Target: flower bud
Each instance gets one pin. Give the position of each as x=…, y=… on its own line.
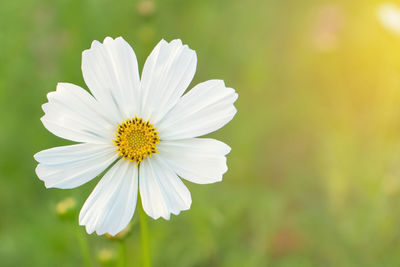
x=107, y=257
x=146, y=8
x=66, y=209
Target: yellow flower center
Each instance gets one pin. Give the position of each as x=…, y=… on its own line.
x=136, y=139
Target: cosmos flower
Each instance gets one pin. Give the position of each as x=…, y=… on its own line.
x=145, y=128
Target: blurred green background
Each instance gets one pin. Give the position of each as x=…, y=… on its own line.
x=314, y=172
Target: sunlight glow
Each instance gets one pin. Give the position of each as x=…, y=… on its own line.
x=389, y=16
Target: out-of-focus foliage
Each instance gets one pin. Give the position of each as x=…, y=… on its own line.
x=314, y=172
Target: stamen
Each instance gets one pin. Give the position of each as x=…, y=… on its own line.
x=136, y=139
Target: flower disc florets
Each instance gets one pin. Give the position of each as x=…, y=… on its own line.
x=136, y=139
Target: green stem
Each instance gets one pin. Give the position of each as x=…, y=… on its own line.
x=84, y=247
x=121, y=253
x=144, y=232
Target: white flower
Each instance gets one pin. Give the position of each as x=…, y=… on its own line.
x=145, y=126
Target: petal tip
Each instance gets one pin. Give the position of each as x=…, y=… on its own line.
x=94, y=44
x=120, y=38
x=177, y=42
x=36, y=156
x=107, y=39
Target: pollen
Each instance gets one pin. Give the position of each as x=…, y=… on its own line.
x=136, y=139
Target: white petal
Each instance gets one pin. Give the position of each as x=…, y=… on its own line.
x=198, y=160
x=166, y=75
x=161, y=190
x=111, y=72
x=71, y=166
x=204, y=109
x=72, y=113
x=111, y=205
